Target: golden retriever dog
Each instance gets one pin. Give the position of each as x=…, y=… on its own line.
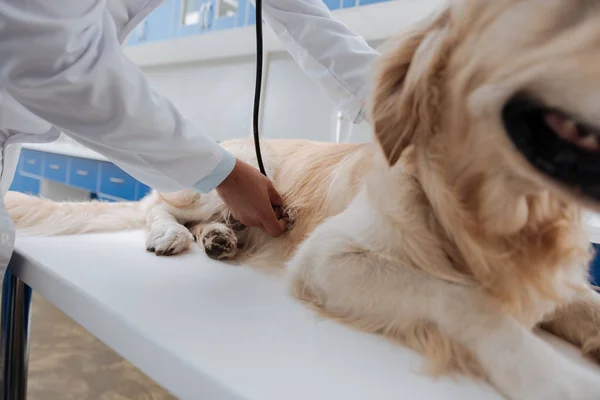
x=460, y=228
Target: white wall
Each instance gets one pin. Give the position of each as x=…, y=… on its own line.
x=295, y=105
x=298, y=107
x=217, y=96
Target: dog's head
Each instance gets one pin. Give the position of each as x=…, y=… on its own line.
x=503, y=89
x=500, y=100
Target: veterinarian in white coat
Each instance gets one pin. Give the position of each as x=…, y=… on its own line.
x=62, y=68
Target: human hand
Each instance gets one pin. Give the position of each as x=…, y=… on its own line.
x=252, y=198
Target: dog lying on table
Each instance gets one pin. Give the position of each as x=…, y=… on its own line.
x=459, y=229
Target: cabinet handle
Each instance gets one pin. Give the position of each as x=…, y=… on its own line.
x=31, y=162
x=201, y=13
x=81, y=172
x=117, y=180
x=54, y=166
x=205, y=15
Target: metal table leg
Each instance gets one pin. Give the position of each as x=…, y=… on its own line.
x=16, y=306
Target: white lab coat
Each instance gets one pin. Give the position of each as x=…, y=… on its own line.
x=62, y=68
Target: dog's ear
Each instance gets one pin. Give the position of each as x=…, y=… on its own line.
x=407, y=86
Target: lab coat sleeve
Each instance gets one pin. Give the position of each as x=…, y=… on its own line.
x=340, y=60
x=62, y=60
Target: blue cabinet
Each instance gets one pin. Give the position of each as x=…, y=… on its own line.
x=25, y=184
x=101, y=179
x=31, y=162
x=30, y=185
x=115, y=182
x=138, y=35
x=250, y=14
x=194, y=16
x=242, y=11
x=179, y=18
x=333, y=4
x=159, y=25
x=141, y=191
x=229, y=14
x=55, y=167
x=83, y=174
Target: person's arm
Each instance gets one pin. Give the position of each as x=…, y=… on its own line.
x=340, y=60
x=62, y=60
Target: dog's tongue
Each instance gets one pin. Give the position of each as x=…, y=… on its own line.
x=582, y=136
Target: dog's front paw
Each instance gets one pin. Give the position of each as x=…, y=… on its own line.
x=219, y=241
x=169, y=241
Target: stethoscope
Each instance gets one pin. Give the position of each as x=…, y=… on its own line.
x=259, y=67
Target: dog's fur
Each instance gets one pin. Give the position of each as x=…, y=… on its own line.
x=438, y=235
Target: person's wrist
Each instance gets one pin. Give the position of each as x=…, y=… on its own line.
x=231, y=177
x=218, y=174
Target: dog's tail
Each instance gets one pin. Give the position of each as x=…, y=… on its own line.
x=41, y=217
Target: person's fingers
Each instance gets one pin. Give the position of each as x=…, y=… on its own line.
x=274, y=195
x=274, y=226
x=277, y=229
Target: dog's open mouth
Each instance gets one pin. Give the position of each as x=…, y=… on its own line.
x=556, y=144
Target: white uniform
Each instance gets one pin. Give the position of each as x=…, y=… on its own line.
x=62, y=68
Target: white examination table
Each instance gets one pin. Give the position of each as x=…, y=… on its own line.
x=205, y=330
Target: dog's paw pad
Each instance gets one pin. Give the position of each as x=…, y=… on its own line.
x=219, y=244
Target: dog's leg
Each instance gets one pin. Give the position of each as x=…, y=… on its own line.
x=166, y=235
x=457, y=324
x=219, y=240
x=578, y=322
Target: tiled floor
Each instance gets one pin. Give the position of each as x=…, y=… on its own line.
x=68, y=363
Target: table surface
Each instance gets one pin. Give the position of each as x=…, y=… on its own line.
x=207, y=330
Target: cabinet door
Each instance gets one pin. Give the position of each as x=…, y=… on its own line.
x=227, y=14
x=32, y=162
x=30, y=185
x=136, y=34
x=141, y=191
x=55, y=167
x=195, y=16
x=114, y=182
x=241, y=12
x=17, y=183
x=250, y=14
x=83, y=174
x=160, y=24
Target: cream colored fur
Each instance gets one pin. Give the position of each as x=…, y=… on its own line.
x=438, y=235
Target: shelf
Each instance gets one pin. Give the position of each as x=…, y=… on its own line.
x=374, y=22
